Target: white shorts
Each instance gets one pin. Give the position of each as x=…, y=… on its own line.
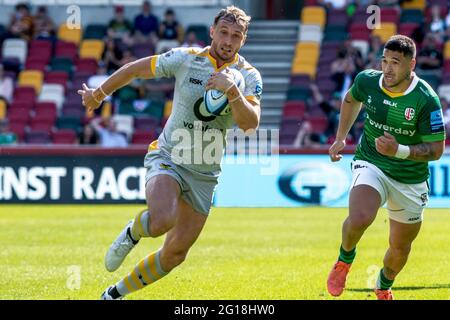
x=405, y=202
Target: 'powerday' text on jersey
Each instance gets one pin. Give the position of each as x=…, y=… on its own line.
x=192, y=67
x=412, y=117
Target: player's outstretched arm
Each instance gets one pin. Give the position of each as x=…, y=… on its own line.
x=424, y=152
x=349, y=112
x=428, y=151
x=93, y=97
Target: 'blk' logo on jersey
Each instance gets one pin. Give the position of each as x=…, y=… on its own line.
x=409, y=113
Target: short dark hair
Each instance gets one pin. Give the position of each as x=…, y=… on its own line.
x=235, y=15
x=403, y=44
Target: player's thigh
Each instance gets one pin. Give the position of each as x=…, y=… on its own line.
x=367, y=193
x=163, y=196
x=188, y=227
x=364, y=203
x=406, y=202
x=403, y=234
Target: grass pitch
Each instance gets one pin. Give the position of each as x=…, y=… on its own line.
x=57, y=251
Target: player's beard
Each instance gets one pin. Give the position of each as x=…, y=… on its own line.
x=217, y=50
x=407, y=77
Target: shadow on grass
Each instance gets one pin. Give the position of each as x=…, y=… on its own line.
x=431, y=287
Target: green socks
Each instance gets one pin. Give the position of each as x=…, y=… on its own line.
x=347, y=256
x=384, y=283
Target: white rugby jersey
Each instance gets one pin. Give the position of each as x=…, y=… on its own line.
x=189, y=136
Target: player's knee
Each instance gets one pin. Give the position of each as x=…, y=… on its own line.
x=176, y=257
x=160, y=223
x=360, y=221
x=400, y=250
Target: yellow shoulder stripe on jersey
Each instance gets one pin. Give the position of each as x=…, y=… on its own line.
x=248, y=66
x=252, y=98
x=153, y=60
x=195, y=51
x=153, y=146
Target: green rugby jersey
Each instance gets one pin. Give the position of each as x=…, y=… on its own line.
x=412, y=117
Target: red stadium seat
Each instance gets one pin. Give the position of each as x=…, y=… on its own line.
x=145, y=123
x=57, y=77
x=143, y=137
x=24, y=94
x=87, y=65
x=64, y=136
x=45, y=110
x=18, y=129
x=318, y=124
x=34, y=63
x=22, y=106
x=18, y=116
x=66, y=50
x=294, y=109
x=41, y=49
x=407, y=29
x=389, y=15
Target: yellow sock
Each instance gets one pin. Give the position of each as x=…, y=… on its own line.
x=146, y=272
x=140, y=227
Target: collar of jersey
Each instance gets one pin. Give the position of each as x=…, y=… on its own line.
x=214, y=62
x=399, y=94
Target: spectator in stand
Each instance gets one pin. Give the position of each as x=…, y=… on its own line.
x=6, y=137
x=306, y=138
x=120, y=28
x=44, y=27
x=429, y=58
x=343, y=70
x=146, y=25
x=127, y=57
x=437, y=24
x=331, y=108
x=109, y=136
x=170, y=29
x=375, y=53
x=88, y=136
x=21, y=23
x=112, y=56
x=6, y=86
x=192, y=41
x=96, y=80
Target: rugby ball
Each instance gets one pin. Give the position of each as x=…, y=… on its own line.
x=216, y=102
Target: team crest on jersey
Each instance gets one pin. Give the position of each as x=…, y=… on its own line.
x=409, y=113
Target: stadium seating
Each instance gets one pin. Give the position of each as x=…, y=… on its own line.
x=313, y=15
x=57, y=77
x=52, y=93
x=95, y=31
x=386, y=30
x=61, y=64
x=64, y=136
x=66, y=50
x=92, y=49
x=69, y=35
x=143, y=137
x=15, y=48
x=37, y=137
x=414, y=4
x=3, y=108
x=31, y=78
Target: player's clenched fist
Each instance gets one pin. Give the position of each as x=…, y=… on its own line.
x=386, y=145
x=221, y=81
x=334, y=150
x=88, y=98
